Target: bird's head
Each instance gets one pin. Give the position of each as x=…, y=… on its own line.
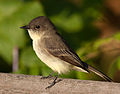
x=39, y=26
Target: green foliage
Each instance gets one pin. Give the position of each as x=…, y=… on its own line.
x=74, y=23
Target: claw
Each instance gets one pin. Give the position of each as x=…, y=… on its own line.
x=54, y=82
x=45, y=77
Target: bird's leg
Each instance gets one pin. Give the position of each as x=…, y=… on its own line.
x=49, y=76
x=54, y=82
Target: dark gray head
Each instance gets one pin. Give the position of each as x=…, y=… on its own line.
x=40, y=23
x=38, y=26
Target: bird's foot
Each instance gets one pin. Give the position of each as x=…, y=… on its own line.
x=45, y=77
x=54, y=82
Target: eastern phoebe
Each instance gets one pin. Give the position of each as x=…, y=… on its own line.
x=52, y=49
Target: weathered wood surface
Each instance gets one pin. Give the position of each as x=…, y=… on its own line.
x=27, y=84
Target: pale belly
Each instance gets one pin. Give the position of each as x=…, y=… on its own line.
x=54, y=63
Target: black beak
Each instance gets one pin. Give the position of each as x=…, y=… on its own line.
x=25, y=27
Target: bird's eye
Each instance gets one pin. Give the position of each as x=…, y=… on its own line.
x=37, y=26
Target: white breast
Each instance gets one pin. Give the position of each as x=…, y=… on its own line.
x=54, y=63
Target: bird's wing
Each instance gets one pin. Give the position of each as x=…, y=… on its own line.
x=58, y=48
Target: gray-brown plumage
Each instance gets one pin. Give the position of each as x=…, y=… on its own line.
x=52, y=49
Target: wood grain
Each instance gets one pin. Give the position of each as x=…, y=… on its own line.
x=28, y=84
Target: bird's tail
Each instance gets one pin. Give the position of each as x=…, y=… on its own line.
x=92, y=69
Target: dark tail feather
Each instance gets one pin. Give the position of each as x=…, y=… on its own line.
x=100, y=73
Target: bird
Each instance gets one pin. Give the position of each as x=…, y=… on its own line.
x=53, y=50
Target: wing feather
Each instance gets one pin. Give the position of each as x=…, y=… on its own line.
x=59, y=48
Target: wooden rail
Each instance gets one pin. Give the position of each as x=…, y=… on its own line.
x=27, y=84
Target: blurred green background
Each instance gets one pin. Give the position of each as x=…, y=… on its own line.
x=90, y=27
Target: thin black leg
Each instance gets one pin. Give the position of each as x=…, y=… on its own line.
x=54, y=82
